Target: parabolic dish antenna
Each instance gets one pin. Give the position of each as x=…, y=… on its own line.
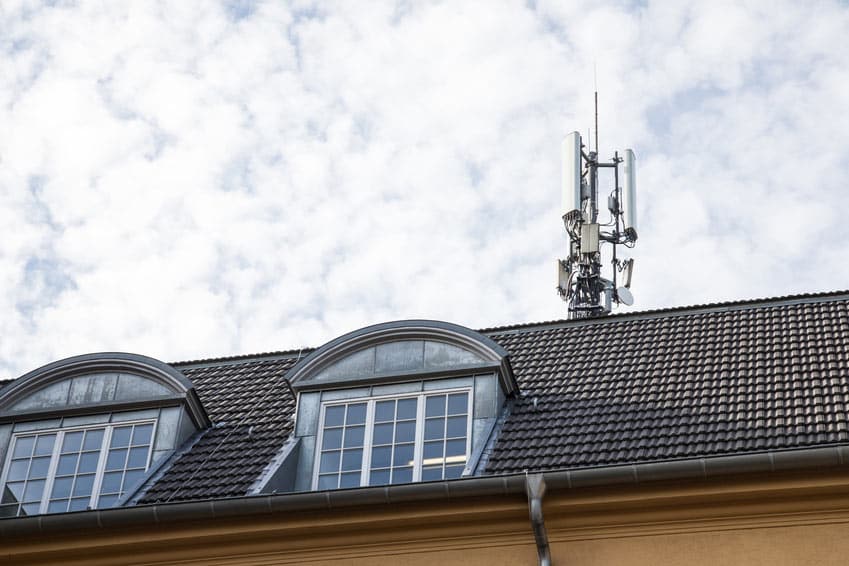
x=625, y=296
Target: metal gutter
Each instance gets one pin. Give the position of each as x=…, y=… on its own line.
x=170, y=514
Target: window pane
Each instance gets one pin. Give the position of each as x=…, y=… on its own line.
x=67, y=464
x=38, y=467
x=8, y=510
x=432, y=450
x=455, y=447
x=383, y=433
x=73, y=442
x=31, y=509
x=111, y=482
x=132, y=479
x=34, y=490
x=405, y=432
x=434, y=429
x=13, y=492
x=329, y=462
x=116, y=458
x=142, y=433
x=384, y=411
x=354, y=436
x=44, y=445
x=59, y=506
x=328, y=481
x=356, y=414
x=23, y=447
x=83, y=485
x=381, y=457
x=18, y=470
x=352, y=460
x=138, y=457
x=379, y=477
x=430, y=473
x=402, y=475
x=93, y=439
x=332, y=439
x=456, y=427
x=435, y=406
x=406, y=409
x=452, y=472
x=350, y=480
x=62, y=488
x=403, y=455
x=121, y=437
x=107, y=501
x=79, y=504
x=88, y=462
x=334, y=416
x=458, y=403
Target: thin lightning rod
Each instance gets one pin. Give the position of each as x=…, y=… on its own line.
x=596, y=121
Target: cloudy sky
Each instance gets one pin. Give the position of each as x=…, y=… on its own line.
x=194, y=179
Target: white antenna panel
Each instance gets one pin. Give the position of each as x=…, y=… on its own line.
x=629, y=194
x=571, y=195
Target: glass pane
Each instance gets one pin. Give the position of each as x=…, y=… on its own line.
x=430, y=473
x=334, y=416
x=406, y=409
x=383, y=433
x=384, y=411
x=73, y=442
x=328, y=481
x=83, y=485
x=405, y=431
x=354, y=436
x=67, y=464
x=8, y=510
x=111, y=482
x=38, y=467
x=456, y=427
x=432, y=450
x=379, y=477
x=31, y=509
x=59, y=506
x=404, y=455
x=332, y=439
x=62, y=488
x=44, y=445
x=79, y=504
x=138, y=457
x=18, y=470
x=34, y=490
x=116, y=458
x=142, y=433
x=329, y=462
x=434, y=429
x=356, y=414
x=121, y=437
x=93, y=439
x=132, y=479
x=381, y=457
x=88, y=462
x=452, y=472
x=455, y=447
x=435, y=406
x=458, y=403
x=402, y=475
x=107, y=501
x=23, y=447
x=350, y=480
x=352, y=460
x=13, y=492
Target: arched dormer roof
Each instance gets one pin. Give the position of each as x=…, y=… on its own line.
x=395, y=351
x=106, y=379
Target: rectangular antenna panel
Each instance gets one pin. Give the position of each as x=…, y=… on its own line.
x=629, y=192
x=571, y=195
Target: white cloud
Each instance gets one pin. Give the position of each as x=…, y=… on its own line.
x=196, y=179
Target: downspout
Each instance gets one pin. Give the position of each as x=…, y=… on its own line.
x=535, y=488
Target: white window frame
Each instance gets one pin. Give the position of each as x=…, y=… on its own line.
x=418, y=447
x=107, y=428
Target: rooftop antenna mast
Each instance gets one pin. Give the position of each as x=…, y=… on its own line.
x=580, y=280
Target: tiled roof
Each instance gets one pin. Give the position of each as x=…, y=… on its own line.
x=675, y=383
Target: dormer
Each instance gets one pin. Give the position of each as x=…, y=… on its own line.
x=85, y=432
x=398, y=402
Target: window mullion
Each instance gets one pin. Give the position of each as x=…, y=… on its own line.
x=418, y=447
x=51, y=471
x=367, y=443
x=101, y=465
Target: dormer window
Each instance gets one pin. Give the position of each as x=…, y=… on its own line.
x=394, y=440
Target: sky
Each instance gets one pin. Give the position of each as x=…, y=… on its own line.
x=199, y=179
